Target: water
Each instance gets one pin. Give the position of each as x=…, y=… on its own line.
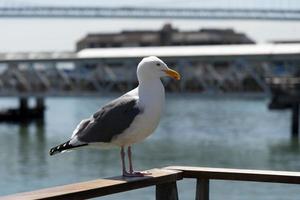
x=195, y=130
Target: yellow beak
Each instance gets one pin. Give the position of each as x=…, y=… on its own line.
x=172, y=73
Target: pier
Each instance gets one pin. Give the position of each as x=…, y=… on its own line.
x=24, y=113
x=218, y=68
x=165, y=180
x=93, y=72
x=286, y=95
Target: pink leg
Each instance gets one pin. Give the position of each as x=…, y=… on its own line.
x=130, y=159
x=132, y=173
x=125, y=173
x=122, y=152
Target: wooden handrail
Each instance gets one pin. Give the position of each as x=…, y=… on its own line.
x=162, y=178
x=239, y=174
x=204, y=175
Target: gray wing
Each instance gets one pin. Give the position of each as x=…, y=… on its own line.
x=109, y=121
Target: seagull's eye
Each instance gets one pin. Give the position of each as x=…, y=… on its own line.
x=157, y=64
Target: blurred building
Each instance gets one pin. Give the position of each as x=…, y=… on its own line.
x=285, y=41
x=167, y=36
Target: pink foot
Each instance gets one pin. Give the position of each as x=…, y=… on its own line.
x=136, y=174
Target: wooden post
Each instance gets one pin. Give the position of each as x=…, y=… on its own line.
x=295, y=120
x=40, y=104
x=23, y=107
x=202, y=189
x=39, y=109
x=167, y=191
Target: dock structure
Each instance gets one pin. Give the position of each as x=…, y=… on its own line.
x=166, y=36
x=286, y=95
x=208, y=69
x=217, y=68
x=24, y=113
x=165, y=180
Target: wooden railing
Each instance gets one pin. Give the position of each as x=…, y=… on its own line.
x=164, y=179
x=204, y=175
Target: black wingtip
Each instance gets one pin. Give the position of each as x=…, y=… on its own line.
x=63, y=147
x=54, y=150
x=59, y=148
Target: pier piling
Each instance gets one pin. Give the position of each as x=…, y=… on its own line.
x=286, y=95
x=23, y=106
x=40, y=106
x=295, y=120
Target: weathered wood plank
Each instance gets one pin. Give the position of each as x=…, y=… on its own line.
x=100, y=187
x=202, y=189
x=239, y=174
x=167, y=191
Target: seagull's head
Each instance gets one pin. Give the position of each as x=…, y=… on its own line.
x=154, y=68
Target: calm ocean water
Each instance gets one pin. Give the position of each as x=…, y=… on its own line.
x=195, y=130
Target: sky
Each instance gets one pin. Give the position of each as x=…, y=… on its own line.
x=279, y=4
x=19, y=35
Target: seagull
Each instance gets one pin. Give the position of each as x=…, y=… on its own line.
x=128, y=119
